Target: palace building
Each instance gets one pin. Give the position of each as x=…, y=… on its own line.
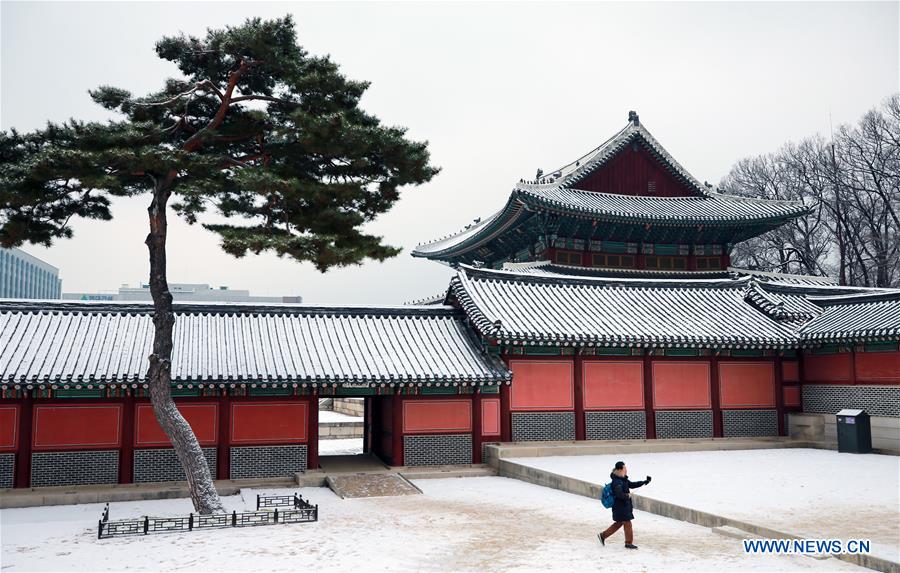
x=598, y=303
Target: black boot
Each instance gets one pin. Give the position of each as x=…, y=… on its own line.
x=602, y=539
x=630, y=546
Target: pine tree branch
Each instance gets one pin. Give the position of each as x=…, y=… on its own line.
x=264, y=98
x=196, y=140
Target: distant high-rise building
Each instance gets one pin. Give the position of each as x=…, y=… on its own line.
x=25, y=276
x=185, y=292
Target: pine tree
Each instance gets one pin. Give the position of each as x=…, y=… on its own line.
x=256, y=130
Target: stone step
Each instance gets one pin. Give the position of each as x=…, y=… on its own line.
x=443, y=472
x=370, y=485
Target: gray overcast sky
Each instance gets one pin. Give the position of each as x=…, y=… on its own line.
x=497, y=89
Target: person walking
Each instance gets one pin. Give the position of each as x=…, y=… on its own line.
x=622, y=509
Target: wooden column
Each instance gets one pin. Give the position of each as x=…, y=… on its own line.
x=367, y=424
x=801, y=375
x=714, y=395
x=23, y=455
x=580, y=432
x=505, y=414
x=476, y=426
x=648, y=395
x=223, y=449
x=397, y=428
x=853, y=365
x=312, y=434
x=126, y=452
x=779, y=395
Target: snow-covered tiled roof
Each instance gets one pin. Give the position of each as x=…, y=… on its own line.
x=784, y=278
x=526, y=309
x=711, y=207
x=569, y=175
x=77, y=342
x=549, y=268
x=863, y=317
x=558, y=192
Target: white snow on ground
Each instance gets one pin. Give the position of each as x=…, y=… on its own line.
x=472, y=524
x=814, y=493
x=340, y=447
x=330, y=416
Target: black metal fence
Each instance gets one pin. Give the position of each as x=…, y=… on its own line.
x=275, y=509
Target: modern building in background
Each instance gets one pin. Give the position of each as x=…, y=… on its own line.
x=186, y=292
x=25, y=276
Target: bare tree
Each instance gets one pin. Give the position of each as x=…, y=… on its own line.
x=853, y=187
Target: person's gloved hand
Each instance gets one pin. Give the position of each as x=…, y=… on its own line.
x=646, y=481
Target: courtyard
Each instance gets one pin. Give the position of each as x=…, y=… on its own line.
x=472, y=524
x=806, y=492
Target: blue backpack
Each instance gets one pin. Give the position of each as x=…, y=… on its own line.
x=606, y=496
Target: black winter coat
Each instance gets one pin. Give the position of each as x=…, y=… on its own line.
x=622, y=509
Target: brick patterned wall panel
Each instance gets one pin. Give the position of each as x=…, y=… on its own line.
x=437, y=450
x=738, y=423
x=828, y=399
x=615, y=425
x=267, y=461
x=543, y=426
x=7, y=468
x=74, y=468
x=684, y=424
x=163, y=465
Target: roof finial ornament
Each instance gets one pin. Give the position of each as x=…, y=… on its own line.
x=540, y=173
x=633, y=118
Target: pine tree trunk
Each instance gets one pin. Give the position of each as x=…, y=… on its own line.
x=187, y=448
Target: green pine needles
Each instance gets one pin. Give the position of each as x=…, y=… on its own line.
x=257, y=130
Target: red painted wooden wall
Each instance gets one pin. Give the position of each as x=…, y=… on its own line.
x=792, y=396
x=542, y=385
x=681, y=385
x=613, y=385
x=790, y=371
x=268, y=422
x=828, y=368
x=747, y=384
x=9, y=427
x=490, y=417
x=77, y=426
x=203, y=419
x=437, y=416
x=878, y=367
x=629, y=173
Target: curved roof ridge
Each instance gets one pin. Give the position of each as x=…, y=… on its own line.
x=576, y=170
x=776, y=275
x=639, y=207
x=879, y=295
x=572, y=165
x=633, y=282
x=528, y=186
x=215, y=307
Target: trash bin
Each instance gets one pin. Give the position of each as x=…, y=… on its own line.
x=854, y=432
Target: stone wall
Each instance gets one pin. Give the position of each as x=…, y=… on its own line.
x=7, y=469
x=74, y=468
x=684, y=423
x=823, y=428
x=163, y=465
x=267, y=461
x=349, y=406
x=615, y=425
x=543, y=426
x=437, y=449
x=749, y=423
